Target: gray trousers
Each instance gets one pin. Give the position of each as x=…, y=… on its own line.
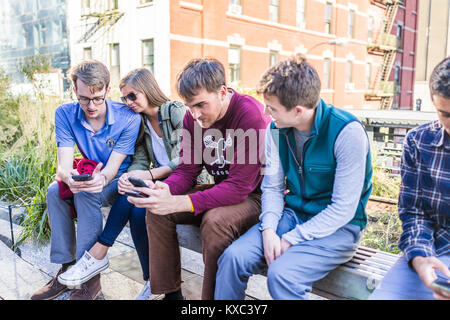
x=291, y=275
x=66, y=243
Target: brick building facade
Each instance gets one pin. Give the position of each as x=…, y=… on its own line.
x=247, y=36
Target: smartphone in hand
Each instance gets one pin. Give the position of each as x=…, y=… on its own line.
x=136, y=194
x=442, y=284
x=82, y=177
x=137, y=182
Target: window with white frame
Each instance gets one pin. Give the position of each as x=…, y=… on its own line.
x=273, y=58
x=113, y=4
x=370, y=22
x=87, y=53
x=368, y=75
x=235, y=6
x=234, y=60
x=85, y=4
x=115, y=62
x=351, y=24
x=301, y=22
x=349, y=75
x=326, y=73
x=148, y=54
x=328, y=17
x=274, y=11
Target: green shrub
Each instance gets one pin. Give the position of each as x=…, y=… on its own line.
x=28, y=166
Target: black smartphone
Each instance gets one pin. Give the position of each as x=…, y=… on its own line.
x=442, y=284
x=137, y=182
x=82, y=177
x=136, y=194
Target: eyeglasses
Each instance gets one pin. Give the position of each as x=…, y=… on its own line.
x=131, y=96
x=84, y=101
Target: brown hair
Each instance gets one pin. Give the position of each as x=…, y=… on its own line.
x=294, y=81
x=93, y=73
x=205, y=73
x=142, y=80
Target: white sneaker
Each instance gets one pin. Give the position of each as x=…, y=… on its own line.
x=145, y=293
x=85, y=268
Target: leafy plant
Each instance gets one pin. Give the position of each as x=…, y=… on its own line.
x=9, y=115
x=28, y=167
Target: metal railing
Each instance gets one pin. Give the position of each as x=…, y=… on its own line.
x=10, y=209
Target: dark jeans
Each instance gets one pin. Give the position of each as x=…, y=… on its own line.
x=121, y=212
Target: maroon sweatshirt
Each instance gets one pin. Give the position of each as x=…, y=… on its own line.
x=230, y=150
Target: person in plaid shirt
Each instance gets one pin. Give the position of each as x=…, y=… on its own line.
x=424, y=203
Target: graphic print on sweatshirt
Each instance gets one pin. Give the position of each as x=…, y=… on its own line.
x=220, y=147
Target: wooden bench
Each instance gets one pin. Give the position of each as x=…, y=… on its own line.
x=354, y=280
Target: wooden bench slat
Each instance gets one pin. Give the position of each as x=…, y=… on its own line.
x=372, y=261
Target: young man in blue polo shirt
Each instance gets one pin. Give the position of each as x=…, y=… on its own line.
x=315, y=187
x=104, y=131
x=424, y=204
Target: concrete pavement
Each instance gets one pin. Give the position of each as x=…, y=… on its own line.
x=26, y=271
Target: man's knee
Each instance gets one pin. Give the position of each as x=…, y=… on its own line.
x=232, y=257
x=53, y=191
x=89, y=196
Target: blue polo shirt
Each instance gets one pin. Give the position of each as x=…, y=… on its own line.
x=118, y=134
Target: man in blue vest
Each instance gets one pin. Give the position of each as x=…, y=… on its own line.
x=315, y=189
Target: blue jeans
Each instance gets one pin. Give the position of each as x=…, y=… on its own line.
x=121, y=212
x=403, y=283
x=290, y=276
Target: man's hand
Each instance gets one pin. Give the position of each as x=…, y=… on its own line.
x=284, y=245
x=424, y=267
x=271, y=245
x=160, y=200
x=95, y=185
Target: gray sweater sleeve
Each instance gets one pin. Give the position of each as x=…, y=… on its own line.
x=272, y=186
x=350, y=150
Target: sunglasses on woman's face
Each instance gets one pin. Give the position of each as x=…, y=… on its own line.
x=131, y=96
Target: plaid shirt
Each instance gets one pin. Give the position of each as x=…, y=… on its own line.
x=424, y=202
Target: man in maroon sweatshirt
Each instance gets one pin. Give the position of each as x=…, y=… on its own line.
x=224, y=132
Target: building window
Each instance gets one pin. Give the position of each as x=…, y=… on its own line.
x=234, y=60
x=349, y=75
x=87, y=53
x=85, y=4
x=43, y=36
x=368, y=75
x=113, y=4
x=397, y=79
x=370, y=29
x=115, y=62
x=235, y=6
x=326, y=73
x=301, y=23
x=328, y=17
x=148, y=54
x=273, y=59
x=57, y=35
x=351, y=24
x=274, y=11
x=399, y=36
